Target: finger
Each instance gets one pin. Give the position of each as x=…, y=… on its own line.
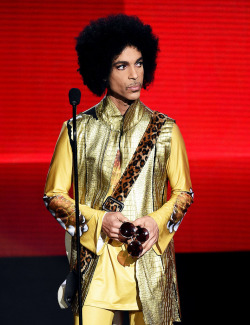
x=121, y=238
x=147, y=246
x=117, y=224
x=115, y=230
x=114, y=236
x=108, y=229
x=121, y=217
x=139, y=222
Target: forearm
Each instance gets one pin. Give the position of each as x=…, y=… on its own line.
x=62, y=207
x=169, y=217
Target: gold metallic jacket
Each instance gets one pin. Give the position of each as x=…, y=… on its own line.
x=98, y=139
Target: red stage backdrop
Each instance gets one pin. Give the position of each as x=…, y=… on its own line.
x=202, y=81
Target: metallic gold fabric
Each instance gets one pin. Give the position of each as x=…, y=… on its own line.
x=86, y=277
x=137, y=162
x=113, y=286
x=98, y=142
x=157, y=282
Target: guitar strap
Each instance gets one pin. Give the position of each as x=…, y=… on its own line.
x=115, y=202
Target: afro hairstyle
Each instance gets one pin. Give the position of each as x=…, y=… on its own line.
x=104, y=39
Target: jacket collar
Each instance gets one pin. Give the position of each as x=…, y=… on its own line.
x=107, y=111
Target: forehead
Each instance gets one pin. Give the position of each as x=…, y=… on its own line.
x=130, y=53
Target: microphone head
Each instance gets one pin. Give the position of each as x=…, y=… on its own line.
x=74, y=96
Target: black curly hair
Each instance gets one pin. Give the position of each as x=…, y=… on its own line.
x=104, y=39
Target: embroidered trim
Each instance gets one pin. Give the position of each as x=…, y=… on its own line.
x=63, y=211
x=183, y=202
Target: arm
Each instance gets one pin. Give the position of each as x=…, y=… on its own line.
x=164, y=222
x=57, y=198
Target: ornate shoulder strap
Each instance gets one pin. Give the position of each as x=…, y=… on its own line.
x=123, y=187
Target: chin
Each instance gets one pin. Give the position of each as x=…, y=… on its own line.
x=133, y=96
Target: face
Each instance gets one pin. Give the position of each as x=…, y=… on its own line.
x=126, y=77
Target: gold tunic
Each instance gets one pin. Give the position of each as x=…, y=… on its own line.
x=113, y=285
x=98, y=142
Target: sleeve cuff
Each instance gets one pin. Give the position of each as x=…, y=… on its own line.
x=101, y=240
x=90, y=238
x=164, y=235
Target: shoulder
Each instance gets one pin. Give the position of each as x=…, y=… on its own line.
x=176, y=135
x=84, y=117
x=82, y=120
x=150, y=112
x=91, y=112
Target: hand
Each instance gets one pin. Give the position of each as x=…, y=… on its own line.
x=151, y=225
x=111, y=224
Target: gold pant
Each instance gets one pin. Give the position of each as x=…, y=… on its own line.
x=94, y=315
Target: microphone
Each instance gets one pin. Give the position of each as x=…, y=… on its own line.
x=74, y=96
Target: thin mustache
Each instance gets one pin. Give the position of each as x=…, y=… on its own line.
x=134, y=85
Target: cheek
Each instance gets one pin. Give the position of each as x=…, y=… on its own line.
x=116, y=83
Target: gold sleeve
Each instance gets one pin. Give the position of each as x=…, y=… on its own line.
x=58, y=201
x=170, y=215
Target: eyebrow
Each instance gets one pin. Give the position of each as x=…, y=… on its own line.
x=126, y=62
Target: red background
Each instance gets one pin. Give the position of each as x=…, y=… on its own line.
x=202, y=81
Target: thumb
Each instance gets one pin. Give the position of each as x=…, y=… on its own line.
x=121, y=217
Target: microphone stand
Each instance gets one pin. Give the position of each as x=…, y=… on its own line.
x=77, y=213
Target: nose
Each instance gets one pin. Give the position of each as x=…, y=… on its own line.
x=133, y=73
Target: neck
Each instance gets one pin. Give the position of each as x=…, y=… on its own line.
x=121, y=103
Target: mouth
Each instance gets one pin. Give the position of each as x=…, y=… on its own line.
x=134, y=87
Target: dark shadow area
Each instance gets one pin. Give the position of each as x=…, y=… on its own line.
x=213, y=289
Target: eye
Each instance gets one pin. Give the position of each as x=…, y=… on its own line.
x=121, y=67
x=139, y=64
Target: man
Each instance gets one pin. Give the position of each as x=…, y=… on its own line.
x=118, y=54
